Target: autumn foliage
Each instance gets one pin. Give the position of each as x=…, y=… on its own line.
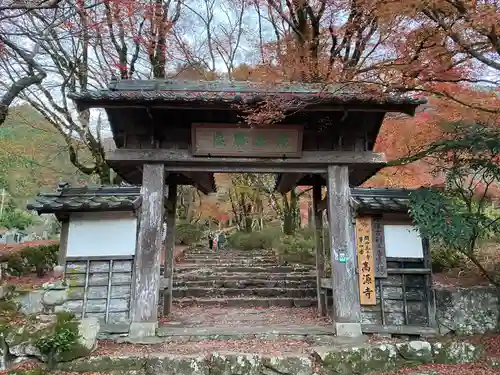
x=447, y=51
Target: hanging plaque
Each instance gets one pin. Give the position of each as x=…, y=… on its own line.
x=366, y=264
x=244, y=141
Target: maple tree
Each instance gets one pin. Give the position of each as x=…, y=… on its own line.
x=468, y=157
x=30, y=71
x=407, y=46
x=90, y=43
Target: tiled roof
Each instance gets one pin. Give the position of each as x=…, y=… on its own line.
x=392, y=200
x=86, y=199
x=236, y=92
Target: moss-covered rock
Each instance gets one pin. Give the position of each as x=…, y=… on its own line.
x=235, y=364
x=57, y=340
x=494, y=362
x=467, y=311
x=348, y=360
x=297, y=365
x=415, y=352
x=177, y=364
x=104, y=364
x=361, y=359
x=456, y=352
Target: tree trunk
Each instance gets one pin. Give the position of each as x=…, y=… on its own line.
x=290, y=208
x=248, y=224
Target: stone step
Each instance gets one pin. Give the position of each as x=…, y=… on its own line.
x=226, y=263
x=275, y=269
x=229, y=256
x=236, y=276
x=248, y=292
x=203, y=260
x=245, y=283
x=247, y=302
x=243, y=253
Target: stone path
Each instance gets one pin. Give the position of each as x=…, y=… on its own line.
x=241, y=279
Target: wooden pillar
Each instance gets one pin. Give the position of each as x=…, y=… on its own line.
x=318, y=237
x=431, y=297
x=169, y=249
x=144, y=303
x=63, y=242
x=346, y=306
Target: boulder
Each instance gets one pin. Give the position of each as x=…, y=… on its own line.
x=4, y=292
x=88, y=330
x=23, y=341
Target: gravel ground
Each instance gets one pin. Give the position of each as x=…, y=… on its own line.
x=194, y=316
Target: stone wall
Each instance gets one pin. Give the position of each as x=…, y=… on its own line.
x=466, y=311
x=349, y=359
x=461, y=311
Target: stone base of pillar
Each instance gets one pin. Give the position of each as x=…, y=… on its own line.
x=143, y=329
x=348, y=329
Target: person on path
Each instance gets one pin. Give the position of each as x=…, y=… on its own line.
x=210, y=240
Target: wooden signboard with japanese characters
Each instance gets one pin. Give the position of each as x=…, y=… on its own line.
x=366, y=264
x=243, y=141
x=379, y=249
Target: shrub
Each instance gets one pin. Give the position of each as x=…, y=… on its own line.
x=296, y=249
x=253, y=240
x=187, y=233
x=39, y=259
x=62, y=341
x=306, y=233
x=444, y=259
x=16, y=264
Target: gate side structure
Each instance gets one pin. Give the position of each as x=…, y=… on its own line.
x=401, y=278
x=189, y=130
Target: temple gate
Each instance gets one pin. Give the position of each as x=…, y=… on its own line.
x=169, y=133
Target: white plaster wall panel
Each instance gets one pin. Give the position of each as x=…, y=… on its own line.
x=102, y=234
x=403, y=241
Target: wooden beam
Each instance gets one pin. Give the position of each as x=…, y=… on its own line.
x=288, y=181
x=320, y=261
x=183, y=160
x=201, y=181
x=203, y=106
x=323, y=205
x=346, y=306
x=144, y=302
x=169, y=250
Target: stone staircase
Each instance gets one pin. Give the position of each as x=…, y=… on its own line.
x=241, y=279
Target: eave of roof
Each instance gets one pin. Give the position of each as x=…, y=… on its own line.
x=381, y=200
x=148, y=92
x=87, y=199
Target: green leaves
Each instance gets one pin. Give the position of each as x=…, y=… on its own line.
x=14, y=218
x=62, y=339
x=459, y=215
x=443, y=218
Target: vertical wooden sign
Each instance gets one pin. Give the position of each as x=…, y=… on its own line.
x=380, y=258
x=366, y=264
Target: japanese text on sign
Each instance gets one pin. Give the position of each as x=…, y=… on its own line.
x=379, y=249
x=234, y=140
x=366, y=264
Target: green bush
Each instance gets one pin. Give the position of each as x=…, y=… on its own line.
x=492, y=212
x=444, y=259
x=253, y=240
x=306, y=233
x=296, y=249
x=16, y=264
x=62, y=341
x=39, y=259
x=188, y=233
